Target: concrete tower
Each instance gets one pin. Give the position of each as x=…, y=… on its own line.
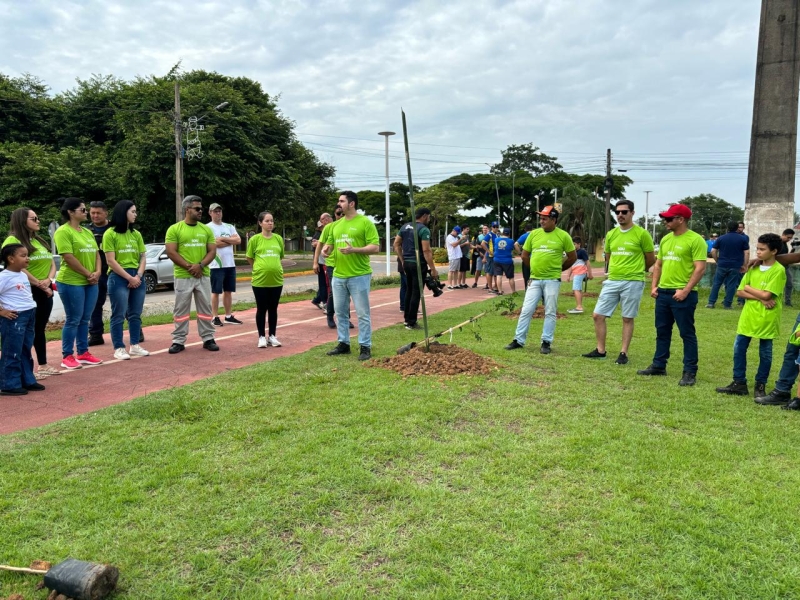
x=769, y=204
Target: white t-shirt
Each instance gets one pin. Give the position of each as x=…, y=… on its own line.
x=15, y=291
x=224, y=257
x=453, y=252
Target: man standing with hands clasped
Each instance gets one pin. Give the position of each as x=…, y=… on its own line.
x=191, y=246
x=679, y=267
x=223, y=267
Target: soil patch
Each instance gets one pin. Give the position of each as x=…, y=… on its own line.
x=585, y=294
x=537, y=314
x=443, y=359
x=54, y=326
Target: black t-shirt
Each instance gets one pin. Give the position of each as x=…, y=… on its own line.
x=98, y=237
x=407, y=234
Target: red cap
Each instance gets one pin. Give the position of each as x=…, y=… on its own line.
x=677, y=210
x=548, y=211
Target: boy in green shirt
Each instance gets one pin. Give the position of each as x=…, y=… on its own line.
x=762, y=290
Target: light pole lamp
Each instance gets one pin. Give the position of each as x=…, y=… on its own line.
x=496, y=191
x=386, y=135
x=647, y=209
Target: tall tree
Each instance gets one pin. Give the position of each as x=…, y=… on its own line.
x=526, y=157
x=711, y=214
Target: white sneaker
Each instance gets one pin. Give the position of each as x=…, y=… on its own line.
x=262, y=342
x=273, y=341
x=137, y=350
x=121, y=354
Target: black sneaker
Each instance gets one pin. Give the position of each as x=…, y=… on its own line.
x=652, y=370
x=474, y=285
x=216, y=322
x=352, y=326
x=688, y=379
x=413, y=326
x=96, y=340
x=175, y=348
x=760, y=390
x=331, y=323
x=594, y=354
x=341, y=348
x=34, y=387
x=366, y=353
x=14, y=392
x=233, y=320
x=735, y=388
x=622, y=359
x=210, y=345
x=514, y=345
x=545, y=349
x=793, y=405
x=774, y=398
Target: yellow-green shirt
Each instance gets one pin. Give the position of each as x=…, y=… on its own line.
x=547, y=252
x=326, y=237
x=358, y=232
x=82, y=246
x=756, y=320
x=41, y=259
x=127, y=247
x=192, y=241
x=266, y=254
x=678, y=254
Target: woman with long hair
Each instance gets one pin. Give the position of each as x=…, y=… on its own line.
x=40, y=272
x=125, y=254
x=264, y=253
x=77, y=282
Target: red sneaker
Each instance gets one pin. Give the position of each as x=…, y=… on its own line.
x=88, y=359
x=70, y=363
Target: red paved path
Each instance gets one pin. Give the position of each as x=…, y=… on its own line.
x=301, y=326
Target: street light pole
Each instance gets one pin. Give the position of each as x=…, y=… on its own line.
x=496, y=191
x=386, y=135
x=647, y=209
x=178, y=155
x=513, y=176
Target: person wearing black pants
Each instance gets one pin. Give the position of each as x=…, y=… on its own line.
x=267, y=300
x=264, y=253
x=98, y=213
x=404, y=249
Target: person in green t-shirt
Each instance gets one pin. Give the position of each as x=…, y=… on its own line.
x=125, y=254
x=629, y=254
x=77, y=283
x=41, y=273
x=354, y=238
x=679, y=267
x=762, y=290
x=544, y=250
x=328, y=263
x=264, y=253
x=191, y=246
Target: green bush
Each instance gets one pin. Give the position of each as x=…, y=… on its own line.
x=440, y=255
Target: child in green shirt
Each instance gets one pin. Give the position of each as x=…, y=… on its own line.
x=762, y=289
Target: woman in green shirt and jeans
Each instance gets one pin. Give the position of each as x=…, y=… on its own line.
x=77, y=283
x=41, y=272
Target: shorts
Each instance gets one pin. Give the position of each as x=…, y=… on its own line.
x=223, y=279
x=455, y=265
x=577, y=282
x=488, y=264
x=628, y=294
x=464, y=264
x=479, y=264
x=504, y=269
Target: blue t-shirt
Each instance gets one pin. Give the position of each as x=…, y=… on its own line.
x=709, y=245
x=730, y=250
x=503, y=246
x=523, y=237
x=582, y=255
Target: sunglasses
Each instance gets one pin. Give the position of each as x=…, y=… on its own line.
x=34, y=219
x=196, y=208
x=621, y=212
x=669, y=219
x=81, y=209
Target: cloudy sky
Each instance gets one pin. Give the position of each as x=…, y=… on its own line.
x=667, y=85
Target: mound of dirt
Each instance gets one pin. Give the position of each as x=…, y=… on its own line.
x=537, y=314
x=442, y=359
x=585, y=294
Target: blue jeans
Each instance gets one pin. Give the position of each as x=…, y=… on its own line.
x=79, y=302
x=668, y=313
x=126, y=303
x=356, y=288
x=731, y=278
x=789, y=370
x=16, y=363
x=740, y=346
x=536, y=289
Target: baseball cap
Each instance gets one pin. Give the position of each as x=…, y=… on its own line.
x=677, y=210
x=457, y=229
x=548, y=211
x=495, y=223
x=214, y=206
x=506, y=231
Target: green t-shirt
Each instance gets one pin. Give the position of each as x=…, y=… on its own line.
x=127, y=247
x=626, y=250
x=81, y=245
x=358, y=232
x=756, y=320
x=41, y=259
x=193, y=241
x=326, y=237
x=266, y=254
x=678, y=254
x=547, y=252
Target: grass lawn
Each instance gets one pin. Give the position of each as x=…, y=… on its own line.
x=310, y=476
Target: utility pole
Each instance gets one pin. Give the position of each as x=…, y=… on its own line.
x=647, y=209
x=386, y=135
x=178, y=155
x=608, y=186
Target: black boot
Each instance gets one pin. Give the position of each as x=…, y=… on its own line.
x=652, y=370
x=366, y=353
x=341, y=348
x=689, y=379
x=735, y=388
